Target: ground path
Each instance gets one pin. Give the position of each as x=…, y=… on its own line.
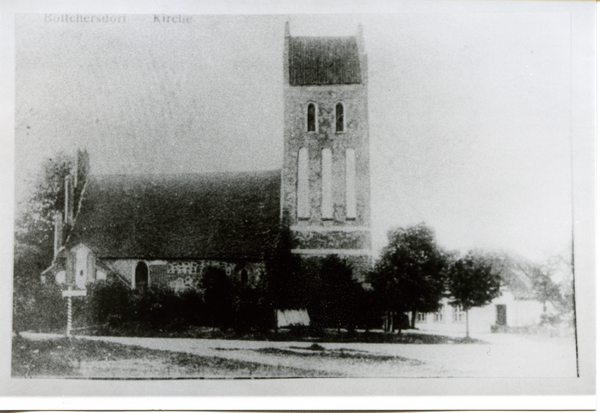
x=503, y=355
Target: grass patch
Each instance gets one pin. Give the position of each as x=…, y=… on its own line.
x=337, y=354
x=72, y=357
x=327, y=335
x=42, y=358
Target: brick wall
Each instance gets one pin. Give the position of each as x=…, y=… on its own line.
x=315, y=235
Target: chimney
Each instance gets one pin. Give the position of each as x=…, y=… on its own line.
x=58, y=232
x=69, y=201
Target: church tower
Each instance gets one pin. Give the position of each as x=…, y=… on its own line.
x=325, y=192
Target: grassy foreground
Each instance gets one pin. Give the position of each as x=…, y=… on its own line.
x=80, y=358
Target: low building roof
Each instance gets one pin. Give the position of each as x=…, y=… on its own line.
x=323, y=61
x=188, y=216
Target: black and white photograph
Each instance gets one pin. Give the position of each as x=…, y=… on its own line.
x=302, y=196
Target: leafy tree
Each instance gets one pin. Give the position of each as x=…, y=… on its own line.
x=34, y=226
x=540, y=276
x=34, y=238
x=544, y=288
x=410, y=274
x=285, y=284
x=473, y=282
x=340, y=294
x=218, y=297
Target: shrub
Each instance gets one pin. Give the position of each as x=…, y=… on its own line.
x=39, y=308
x=191, y=308
x=340, y=297
x=250, y=311
x=108, y=302
x=159, y=307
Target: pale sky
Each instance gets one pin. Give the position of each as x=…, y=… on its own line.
x=470, y=113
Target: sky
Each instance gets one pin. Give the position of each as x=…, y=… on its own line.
x=469, y=113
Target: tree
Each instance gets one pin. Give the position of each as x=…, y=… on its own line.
x=218, y=296
x=544, y=288
x=540, y=276
x=34, y=239
x=410, y=275
x=34, y=231
x=340, y=294
x=473, y=282
x=285, y=283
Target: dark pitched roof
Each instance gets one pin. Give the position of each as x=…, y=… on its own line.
x=201, y=216
x=323, y=61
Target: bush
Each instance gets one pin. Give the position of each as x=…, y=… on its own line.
x=299, y=331
x=340, y=298
x=115, y=304
x=108, y=303
x=251, y=311
x=191, y=308
x=39, y=307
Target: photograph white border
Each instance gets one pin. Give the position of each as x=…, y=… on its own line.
x=369, y=394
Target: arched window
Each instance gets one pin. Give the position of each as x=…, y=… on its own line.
x=302, y=189
x=311, y=118
x=141, y=275
x=326, y=202
x=350, y=184
x=244, y=276
x=339, y=117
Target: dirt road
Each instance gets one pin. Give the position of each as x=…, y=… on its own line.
x=501, y=356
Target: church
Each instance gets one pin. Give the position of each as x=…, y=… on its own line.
x=167, y=229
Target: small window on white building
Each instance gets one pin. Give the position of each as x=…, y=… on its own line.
x=326, y=201
x=458, y=314
x=350, y=184
x=303, y=202
x=439, y=316
x=421, y=317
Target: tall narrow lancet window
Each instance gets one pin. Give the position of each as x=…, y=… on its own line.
x=303, y=199
x=326, y=202
x=350, y=184
x=311, y=118
x=339, y=117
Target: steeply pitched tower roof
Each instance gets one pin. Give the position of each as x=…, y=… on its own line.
x=323, y=61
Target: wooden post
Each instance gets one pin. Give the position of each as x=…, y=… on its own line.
x=68, y=294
